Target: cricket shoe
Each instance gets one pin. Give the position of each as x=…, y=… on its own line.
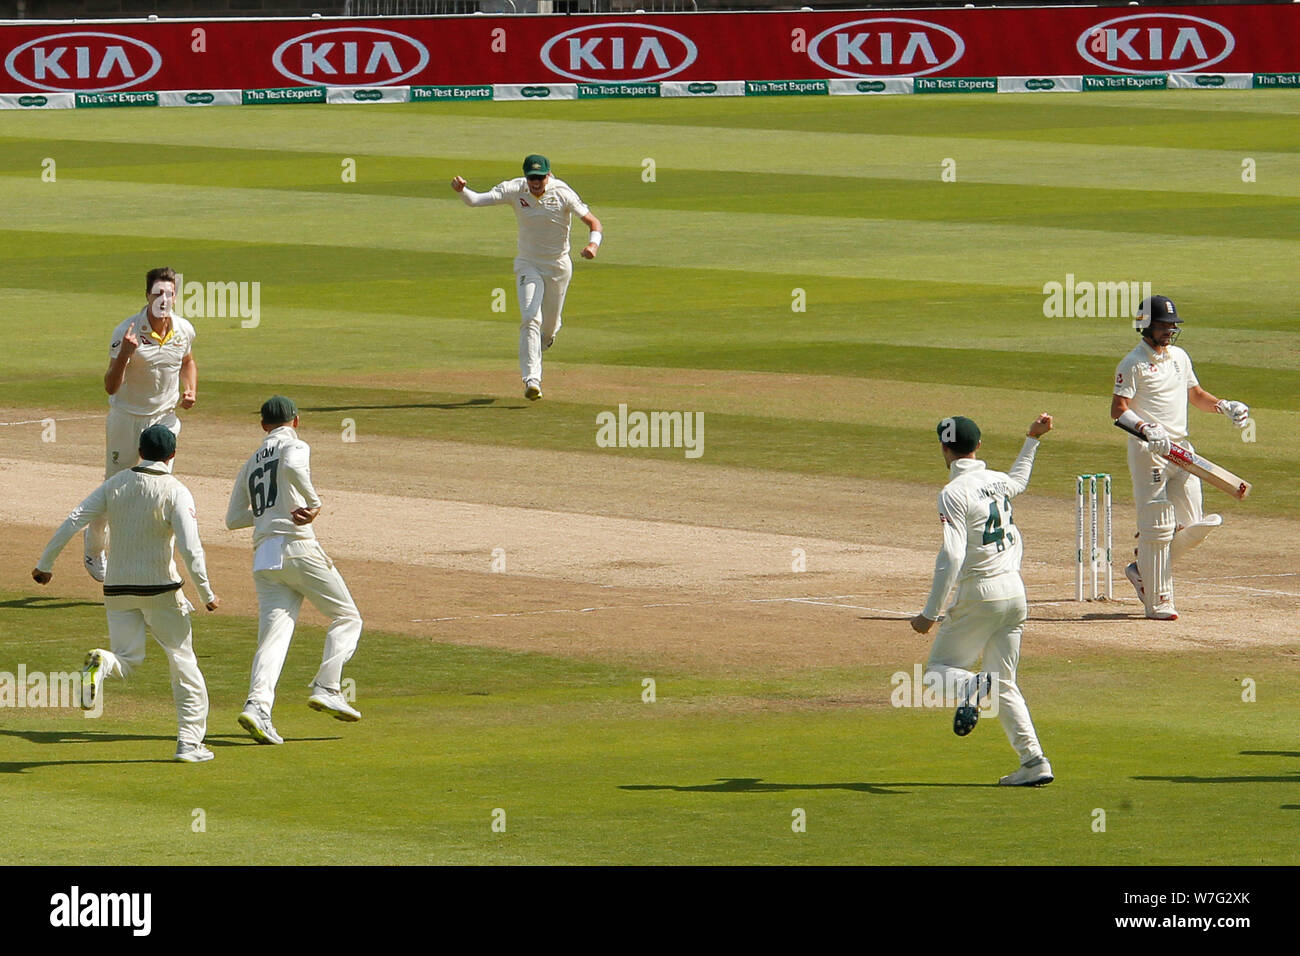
x=1163, y=612
x=1036, y=773
x=1135, y=578
x=532, y=390
x=96, y=566
x=968, y=711
x=92, y=679
x=258, y=724
x=333, y=703
x=192, y=753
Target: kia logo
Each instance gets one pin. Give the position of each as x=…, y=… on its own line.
x=342, y=55
x=618, y=51
x=196, y=99
x=536, y=91
x=886, y=46
x=702, y=88
x=1040, y=84
x=83, y=62
x=32, y=100
x=1155, y=43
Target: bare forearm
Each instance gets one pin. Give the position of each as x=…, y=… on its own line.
x=190, y=376
x=1203, y=400
x=116, y=372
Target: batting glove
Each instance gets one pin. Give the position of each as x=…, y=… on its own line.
x=1157, y=439
x=1237, y=411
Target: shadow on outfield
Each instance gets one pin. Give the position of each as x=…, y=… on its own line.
x=758, y=785
x=1292, y=778
x=93, y=737
x=449, y=406
x=1270, y=753
x=46, y=604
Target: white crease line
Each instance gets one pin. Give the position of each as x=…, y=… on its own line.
x=1237, y=577
x=1238, y=587
x=42, y=421
x=639, y=607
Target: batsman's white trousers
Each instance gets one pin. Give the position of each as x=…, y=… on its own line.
x=1155, y=479
x=986, y=621
x=168, y=617
x=307, y=573
x=122, y=451
x=541, y=288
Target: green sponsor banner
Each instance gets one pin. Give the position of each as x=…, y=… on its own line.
x=1126, y=81
x=787, y=88
x=95, y=100
x=284, y=94
x=956, y=84
x=1267, y=81
x=432, y=94
x=601, y=91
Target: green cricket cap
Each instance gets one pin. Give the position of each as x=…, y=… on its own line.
x=535, y=165
x=277, y=410
x=959, y=433
x=157, y=443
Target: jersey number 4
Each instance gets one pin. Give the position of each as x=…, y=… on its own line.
x=262, y=495
x=993, y=530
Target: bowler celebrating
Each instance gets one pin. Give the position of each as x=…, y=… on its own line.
x=981, y=555
x=543, y=205
x=150, y=369
x=1153, y=385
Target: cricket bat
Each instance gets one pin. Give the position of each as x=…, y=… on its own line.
x=1201, y=467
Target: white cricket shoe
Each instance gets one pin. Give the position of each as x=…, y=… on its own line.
x=1036, y=773
x=192, y=753
x=1163, y=612
x=258, y=724
x=92, y=679
x=333, y=703
x=532, y=390
x=1135, y=578
x=97, y=565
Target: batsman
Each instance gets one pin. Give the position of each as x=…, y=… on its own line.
x=1153, y=385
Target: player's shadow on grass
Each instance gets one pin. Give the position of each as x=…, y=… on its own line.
x=1270, y=753
x=98, y=737
x=758, y=785
x=37, y=603
x=447, y=406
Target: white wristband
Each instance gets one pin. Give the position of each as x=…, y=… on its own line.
x=1130, y=418
x=595, y=238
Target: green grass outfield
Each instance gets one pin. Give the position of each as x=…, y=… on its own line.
x=926, y=294
x=587, y=772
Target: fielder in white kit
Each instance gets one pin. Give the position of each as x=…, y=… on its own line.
x=274, y=496
x=150, y=369
x=1153, y=385
x=148, y=509
x=981, y=553
x=543, y=205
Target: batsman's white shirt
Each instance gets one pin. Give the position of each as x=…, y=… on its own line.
x=148, y=509
x=151, y=385
x=1156, y=386
x=274, y=483
x=980, y=539
x=543, y=223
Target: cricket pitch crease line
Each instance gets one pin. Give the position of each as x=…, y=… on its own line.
x=42, y=421
x=820, y=601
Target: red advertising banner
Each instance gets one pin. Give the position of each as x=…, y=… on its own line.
x=874, y=44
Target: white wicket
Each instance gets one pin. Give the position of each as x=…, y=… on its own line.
x=1095, y=516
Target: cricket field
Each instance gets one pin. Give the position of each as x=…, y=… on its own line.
x=578, y=652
